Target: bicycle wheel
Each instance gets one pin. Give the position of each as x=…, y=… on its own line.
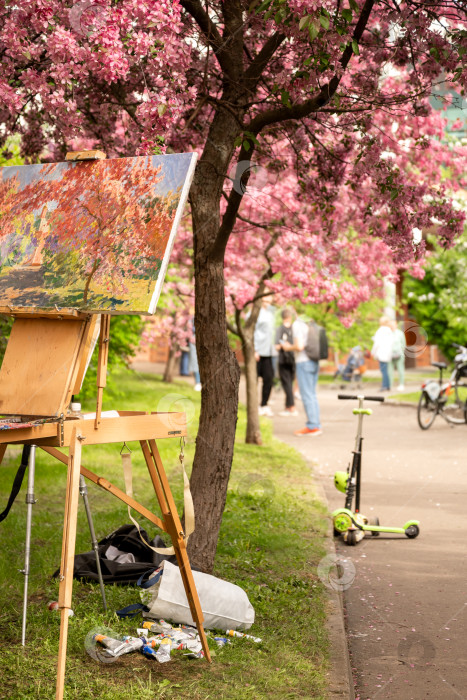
x=426, y=411
x=454, y=410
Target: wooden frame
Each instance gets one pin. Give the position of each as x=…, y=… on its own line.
x=71, y=352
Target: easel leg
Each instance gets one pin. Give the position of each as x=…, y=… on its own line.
x=84, y=493
x=68, y=553
x=3, y=447
x=30, y=500
x=174, y=529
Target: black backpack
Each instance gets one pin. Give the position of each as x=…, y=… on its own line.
x=125, y=539
x=316, y=346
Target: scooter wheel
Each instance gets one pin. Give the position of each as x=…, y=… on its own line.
x=374, y=521
x=412, y=531
x=351, y=539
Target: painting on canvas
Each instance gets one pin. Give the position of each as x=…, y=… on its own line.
x=94, y=236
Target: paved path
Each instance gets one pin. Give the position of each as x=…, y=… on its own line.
x=407, y=605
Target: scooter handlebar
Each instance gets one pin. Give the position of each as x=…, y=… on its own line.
x=355, y=397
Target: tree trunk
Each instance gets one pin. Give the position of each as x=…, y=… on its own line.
x=220, y=378
x=253, y=432
x=170, y=365
x=88, y=281
x=219, y=370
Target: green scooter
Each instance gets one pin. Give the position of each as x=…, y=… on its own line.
x=351, y=524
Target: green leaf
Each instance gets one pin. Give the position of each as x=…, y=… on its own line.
x=434, y=53
x=285, y=98
x=354, y=5
x=347, y=15
x=246, y=145
x=162, y=108
x=304, y=21
x=313, y=30
x=324, y=21
x=263, y=6
x=355, y=48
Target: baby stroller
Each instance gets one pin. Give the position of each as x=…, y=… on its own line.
x=353, y=370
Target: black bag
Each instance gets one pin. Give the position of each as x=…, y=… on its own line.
x=286, y=357
x=127, y=541
x=316, y=346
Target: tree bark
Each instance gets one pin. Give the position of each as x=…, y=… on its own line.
x=220, y=378
x=253, y=431
x=219, y=370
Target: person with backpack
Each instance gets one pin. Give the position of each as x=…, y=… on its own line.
x=286, y=362
x=309, y=346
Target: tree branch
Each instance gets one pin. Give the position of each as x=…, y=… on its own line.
x=210, y=32
x=314, y=104
x=235, y=199
x=233, y=37
x=261, y=60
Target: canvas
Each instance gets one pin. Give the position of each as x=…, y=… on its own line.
x=95, y=236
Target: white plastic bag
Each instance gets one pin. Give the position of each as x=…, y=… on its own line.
x=225, y=606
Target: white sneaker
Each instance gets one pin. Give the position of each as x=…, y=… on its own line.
x=197, y=387
x=265, y=411
x=401, y=387
x=294, y=412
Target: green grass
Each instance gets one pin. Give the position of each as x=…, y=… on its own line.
x=271, y=541
x=409, y=397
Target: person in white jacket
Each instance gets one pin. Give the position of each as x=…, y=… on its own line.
x=383, y=341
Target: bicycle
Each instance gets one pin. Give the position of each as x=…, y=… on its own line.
x=444, y=399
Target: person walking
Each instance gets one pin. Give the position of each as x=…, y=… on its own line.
x=382, y=350
x=263, y=341
x=286, y=362
x=398, y=356
x=307, y=375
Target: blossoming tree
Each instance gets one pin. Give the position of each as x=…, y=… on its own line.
x=231, y=79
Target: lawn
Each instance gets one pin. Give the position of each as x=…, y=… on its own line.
x=272, y=538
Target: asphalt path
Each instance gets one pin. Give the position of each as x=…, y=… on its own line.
x=405, y=600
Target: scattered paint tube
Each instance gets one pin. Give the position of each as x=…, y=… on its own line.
x=221, y=641
x=163, y=653
x=234, y=633
x=157, y=627
x=118, y=647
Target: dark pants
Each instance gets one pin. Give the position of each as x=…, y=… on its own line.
x=287, y=375
x=264, y=369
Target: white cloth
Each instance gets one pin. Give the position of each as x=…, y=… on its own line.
x=300, y=334
x=382, y=344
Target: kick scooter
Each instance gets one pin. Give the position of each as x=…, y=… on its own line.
x=351, y=524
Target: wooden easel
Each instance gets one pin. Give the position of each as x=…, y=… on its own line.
x=43, y=367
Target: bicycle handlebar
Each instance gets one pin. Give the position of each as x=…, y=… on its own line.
x=366, y=398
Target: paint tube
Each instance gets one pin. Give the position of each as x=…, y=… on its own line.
x=159, y=627
x=234, y=633
x=118, y=647
x=163, y=653
x=221, y=641
x=148, y=651
x=130, y=644
x=113, y=646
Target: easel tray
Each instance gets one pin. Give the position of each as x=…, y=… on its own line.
x=130, y=425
